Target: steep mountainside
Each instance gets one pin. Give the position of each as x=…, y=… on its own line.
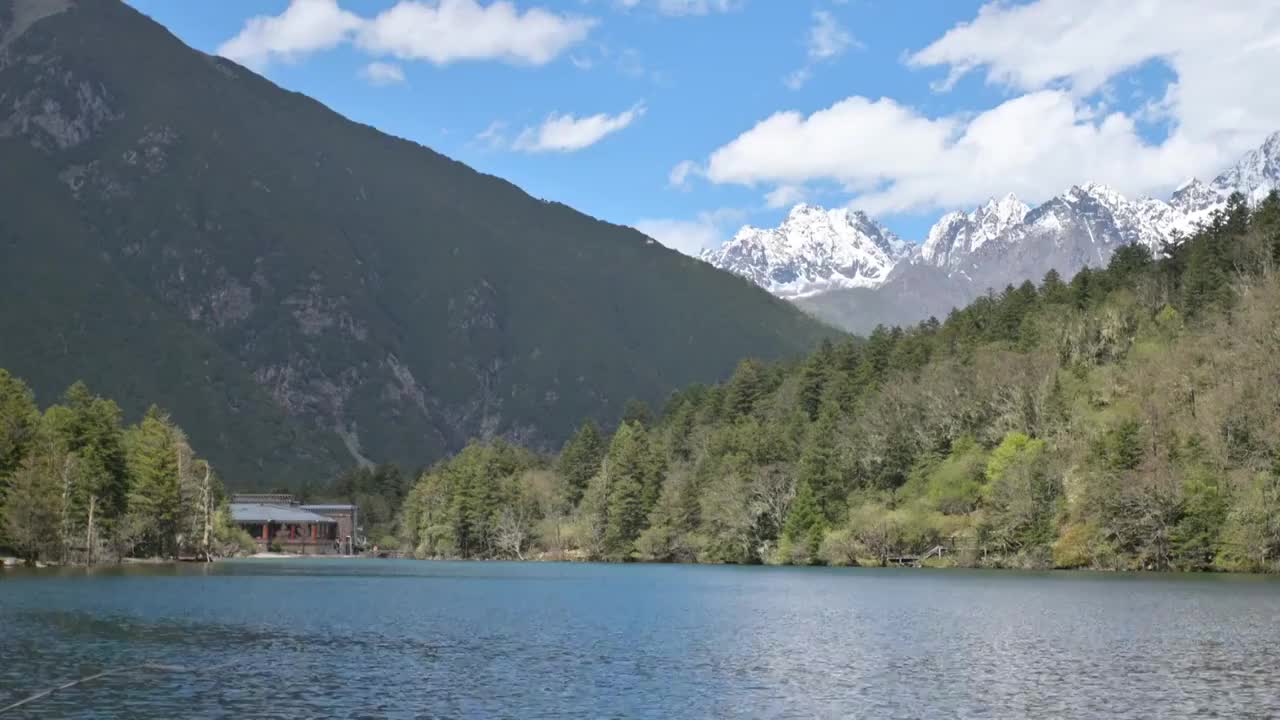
x=302, y=291
x=1005, y=242
x=813, y=250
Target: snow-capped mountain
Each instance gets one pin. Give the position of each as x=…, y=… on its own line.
x=814, y=250
x=1003, y=242
x=958, y=234
x=1256, y=175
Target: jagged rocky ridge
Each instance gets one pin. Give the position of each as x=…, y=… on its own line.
x=964, y=254
x=814, y=250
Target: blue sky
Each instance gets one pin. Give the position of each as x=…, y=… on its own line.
x=905, y=109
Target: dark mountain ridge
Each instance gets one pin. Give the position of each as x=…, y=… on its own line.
x=304, y=292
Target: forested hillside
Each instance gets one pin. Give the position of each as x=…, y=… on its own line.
x=303, y=292
x=1129, y=418
x=77, y=486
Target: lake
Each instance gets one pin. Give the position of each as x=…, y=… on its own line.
x=341, y=638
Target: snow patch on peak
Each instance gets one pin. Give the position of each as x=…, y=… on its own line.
x=957, y=235
x=814, y=249
x=1256, y=175
x=1003, y=240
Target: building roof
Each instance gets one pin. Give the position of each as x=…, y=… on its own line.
x=262, y=513
x=328, y=507
x=264, y=498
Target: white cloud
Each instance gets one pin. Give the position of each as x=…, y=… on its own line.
x=437, y=31
x=493, y=137
x=681, y=174
x=798, y=78
x=447, y=31
x=685, y=7
x=691, y=237
x=827, y=40
x=383, y=73
x=306, y=26
x=785, y=196
x=1061, y=59
x=846, y=142
x=1223, y=54
x=567, y=133
x=827, y=37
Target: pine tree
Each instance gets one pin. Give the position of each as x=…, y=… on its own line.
x=813, y=378
x=580, y=461
x=1205, y=279
x=819, y=467
x=19, y=422
x=634, y=486
x=89, y=428
x=805, y=520
x=637, y=412
x=1052, y=289
x=30, y=515
x=155, y=447
x=745, y=389
x=1083, y=290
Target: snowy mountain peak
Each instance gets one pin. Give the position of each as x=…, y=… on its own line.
x=1257, y=173
x=1104, y=194
x=1003, y=240
x=957, y=235
x=814, y=249
x=1194, y=196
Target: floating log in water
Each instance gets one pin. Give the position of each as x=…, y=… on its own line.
x=117, y=671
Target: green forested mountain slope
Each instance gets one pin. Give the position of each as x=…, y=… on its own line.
x=1128, y=419
x=301, y=290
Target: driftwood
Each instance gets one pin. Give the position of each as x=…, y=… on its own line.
x=117, y=671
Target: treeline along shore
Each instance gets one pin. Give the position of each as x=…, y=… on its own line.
x=78, y=487
x=1126, y=419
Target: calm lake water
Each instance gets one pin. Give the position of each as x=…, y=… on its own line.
x=333, y=638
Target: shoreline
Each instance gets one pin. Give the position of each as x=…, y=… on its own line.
x=13, y=563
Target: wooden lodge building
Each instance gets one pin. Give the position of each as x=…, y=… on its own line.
x=279, y=520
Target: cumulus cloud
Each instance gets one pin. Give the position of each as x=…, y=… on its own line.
x=845, y=142
x=305, y=26
x=1222, y=53
x=691, y=237
x=827, y=40
x=567, y=133
x=436, y=31
x=1060, y=59
x=382, y=73
x=451, y=30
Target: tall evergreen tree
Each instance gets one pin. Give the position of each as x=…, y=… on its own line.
x=820, y=467
x=580, y=460
x=29, y=518
x=634, y=486
x=155, y=447
x=637, y=412
x=19, y=422
x=89, y=428
x=745, y=389
x=806, y=521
